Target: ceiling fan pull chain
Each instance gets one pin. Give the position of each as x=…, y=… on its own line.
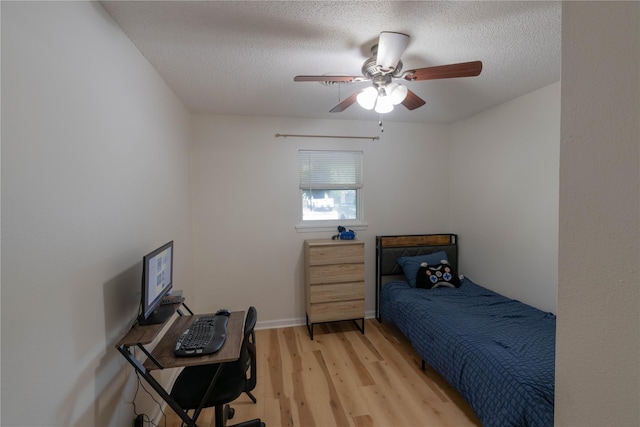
x=380, y=124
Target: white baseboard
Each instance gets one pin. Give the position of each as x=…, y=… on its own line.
x=299, y=321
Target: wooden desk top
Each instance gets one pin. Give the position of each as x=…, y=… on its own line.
x=229, y=352
x=143, y=334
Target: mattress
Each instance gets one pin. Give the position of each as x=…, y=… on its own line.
x=499, y=353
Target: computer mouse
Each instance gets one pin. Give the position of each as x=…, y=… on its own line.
x=223, y=312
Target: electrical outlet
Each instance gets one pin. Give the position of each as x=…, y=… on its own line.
x=139, y=421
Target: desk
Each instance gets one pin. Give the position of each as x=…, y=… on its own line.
x=162, y=356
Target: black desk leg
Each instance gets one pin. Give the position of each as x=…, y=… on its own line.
x=156, y=386
x=310, y=328
x=208, y=392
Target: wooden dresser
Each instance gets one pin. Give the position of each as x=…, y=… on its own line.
x=334, y=281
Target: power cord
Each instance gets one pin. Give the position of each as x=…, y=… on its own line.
x=135, y=411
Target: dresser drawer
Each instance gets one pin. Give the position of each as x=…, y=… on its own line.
x=336, y=273
x=338, y=254
x=336, y=292
x=332, y=311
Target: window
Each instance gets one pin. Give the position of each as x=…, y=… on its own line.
x=330, y=187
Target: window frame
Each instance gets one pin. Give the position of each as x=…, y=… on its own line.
x=331, y=224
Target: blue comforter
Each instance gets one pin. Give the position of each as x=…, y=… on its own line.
x=497, y=352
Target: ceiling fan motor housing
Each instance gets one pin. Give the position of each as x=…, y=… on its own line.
x=370, y=69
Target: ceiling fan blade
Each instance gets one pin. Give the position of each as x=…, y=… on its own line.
x=391, y=46
x=328, y=79
x=464, y=69
x=346, y=103
x=413, y=101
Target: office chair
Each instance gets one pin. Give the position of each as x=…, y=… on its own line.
x=192, y=383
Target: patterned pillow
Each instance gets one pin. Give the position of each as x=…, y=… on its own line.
x=411, y=264
x=431, y=276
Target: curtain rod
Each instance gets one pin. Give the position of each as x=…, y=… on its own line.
x=284, y=135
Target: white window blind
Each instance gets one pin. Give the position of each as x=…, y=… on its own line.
x=336, y=170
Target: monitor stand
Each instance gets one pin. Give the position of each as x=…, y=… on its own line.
x=160, y=315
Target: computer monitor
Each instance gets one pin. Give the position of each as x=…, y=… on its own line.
x=157, y=281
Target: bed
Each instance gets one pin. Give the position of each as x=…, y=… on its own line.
x=497, y=352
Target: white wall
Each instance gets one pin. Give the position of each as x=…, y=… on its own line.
x=504, y=178
x=95, y=173
x=598, y=343
x=246, y=203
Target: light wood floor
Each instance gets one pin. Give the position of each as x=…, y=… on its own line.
x=344, y=378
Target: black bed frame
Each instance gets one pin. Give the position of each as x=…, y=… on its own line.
x=389, y=248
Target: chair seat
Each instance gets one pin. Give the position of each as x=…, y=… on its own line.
x=193, y=381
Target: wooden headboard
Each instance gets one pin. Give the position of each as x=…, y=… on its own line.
x=389, y=248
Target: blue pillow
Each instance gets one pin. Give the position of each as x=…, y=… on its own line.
x=411, y=264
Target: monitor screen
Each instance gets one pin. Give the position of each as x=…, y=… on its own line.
x=157, y=280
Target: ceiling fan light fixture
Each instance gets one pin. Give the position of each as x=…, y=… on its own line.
x=396, y=93
x=390, y=47
x=367, y=98
x=384, y=105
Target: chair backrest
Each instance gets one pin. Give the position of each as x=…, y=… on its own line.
x=249, y=347
x=250, y=321
x=248, y=351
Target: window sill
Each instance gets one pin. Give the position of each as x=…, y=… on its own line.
x=330, y=226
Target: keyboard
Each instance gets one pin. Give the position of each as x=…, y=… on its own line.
x=206, y=335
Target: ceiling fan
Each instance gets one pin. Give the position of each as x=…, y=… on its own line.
x=382, y=68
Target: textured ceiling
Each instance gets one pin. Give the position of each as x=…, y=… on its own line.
x=240, y=57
